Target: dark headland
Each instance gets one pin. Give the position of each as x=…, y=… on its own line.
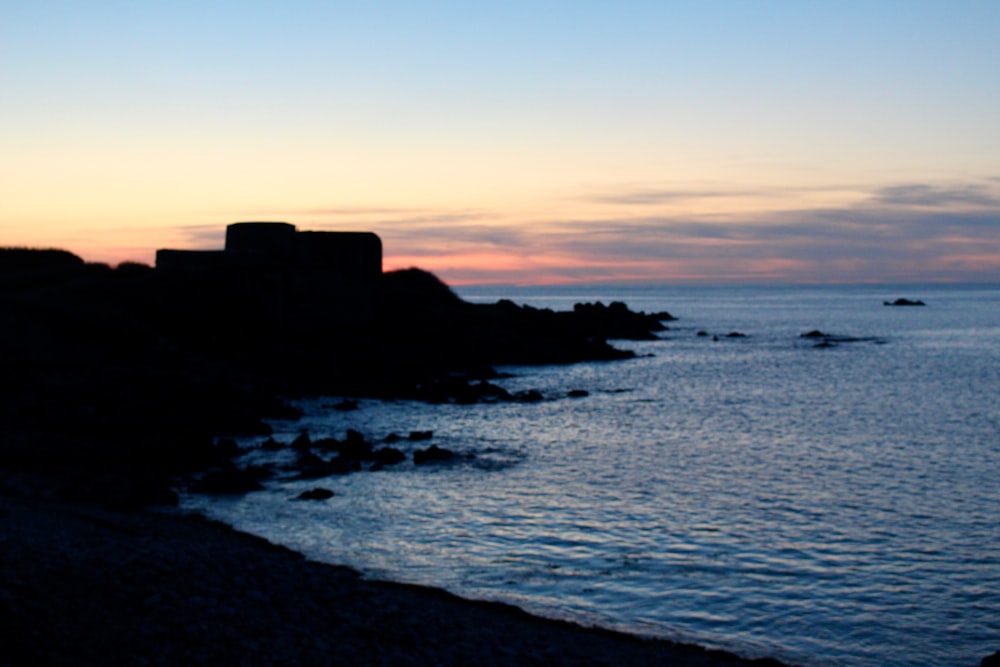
x=119, y=380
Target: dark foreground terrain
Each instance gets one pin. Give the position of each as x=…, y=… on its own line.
x=115, y=381
x=85, y=585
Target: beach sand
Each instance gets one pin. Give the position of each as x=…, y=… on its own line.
x=86, y=585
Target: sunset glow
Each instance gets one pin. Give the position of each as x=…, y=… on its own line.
x=518, y=143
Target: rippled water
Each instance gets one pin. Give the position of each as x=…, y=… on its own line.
x=835, y=506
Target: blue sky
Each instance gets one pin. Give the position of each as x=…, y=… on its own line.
x=517, y=142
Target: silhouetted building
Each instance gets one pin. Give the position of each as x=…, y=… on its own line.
x=302, y=277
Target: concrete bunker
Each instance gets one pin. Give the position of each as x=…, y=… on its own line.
x=308, y=277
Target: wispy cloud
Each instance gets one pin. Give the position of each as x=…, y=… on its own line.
x=922, y=194
x=430, y=233
x=640, y=195
x=365, y=211
x=202, y=236
x=657, y=196
x=904, y=231
x=808, y=234
x=900, y=232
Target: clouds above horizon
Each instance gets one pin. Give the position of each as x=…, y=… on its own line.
x=923, y=194
x=905, y=232
x=520, y=142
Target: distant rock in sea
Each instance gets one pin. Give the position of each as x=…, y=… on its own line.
x=904, y=302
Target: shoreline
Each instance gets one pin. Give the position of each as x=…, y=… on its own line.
x=88, y=585
x=122, y=379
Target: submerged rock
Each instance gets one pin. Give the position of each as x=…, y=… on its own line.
x=831, y=340
x=433, y=454
x=388, y=456
x=529, y=396
x=904, y=302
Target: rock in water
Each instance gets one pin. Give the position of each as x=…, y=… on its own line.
x=433, y=454
x=318, y=493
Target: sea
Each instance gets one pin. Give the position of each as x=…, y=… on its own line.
x=829, y=505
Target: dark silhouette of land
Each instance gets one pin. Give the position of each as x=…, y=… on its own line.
x=117, y=380
x=141, y=368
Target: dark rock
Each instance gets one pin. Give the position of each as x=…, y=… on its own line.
x=303, y=441
x=529, y=396
x=904, y=302
x=578, y=393
x=318, y=493
x=320, y=468
x=355, y=447
x=418, y=436
x=832, y=340
x=271, y=445
x=433, y=454
x=616, y=321
x=307, y=457
x=388, y=456
x=487, y=390
x=346, y=405
x=735, y=334
x=992, y=660
x=702, y=334
x=121, y=350
x=327, y=445
x=392, y=437
x=461, y=391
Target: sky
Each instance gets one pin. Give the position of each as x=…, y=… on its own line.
x=516, y=142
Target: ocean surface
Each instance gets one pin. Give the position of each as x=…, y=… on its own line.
x=830, y=506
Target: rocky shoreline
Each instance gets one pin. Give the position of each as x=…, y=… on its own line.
x=118, y=382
